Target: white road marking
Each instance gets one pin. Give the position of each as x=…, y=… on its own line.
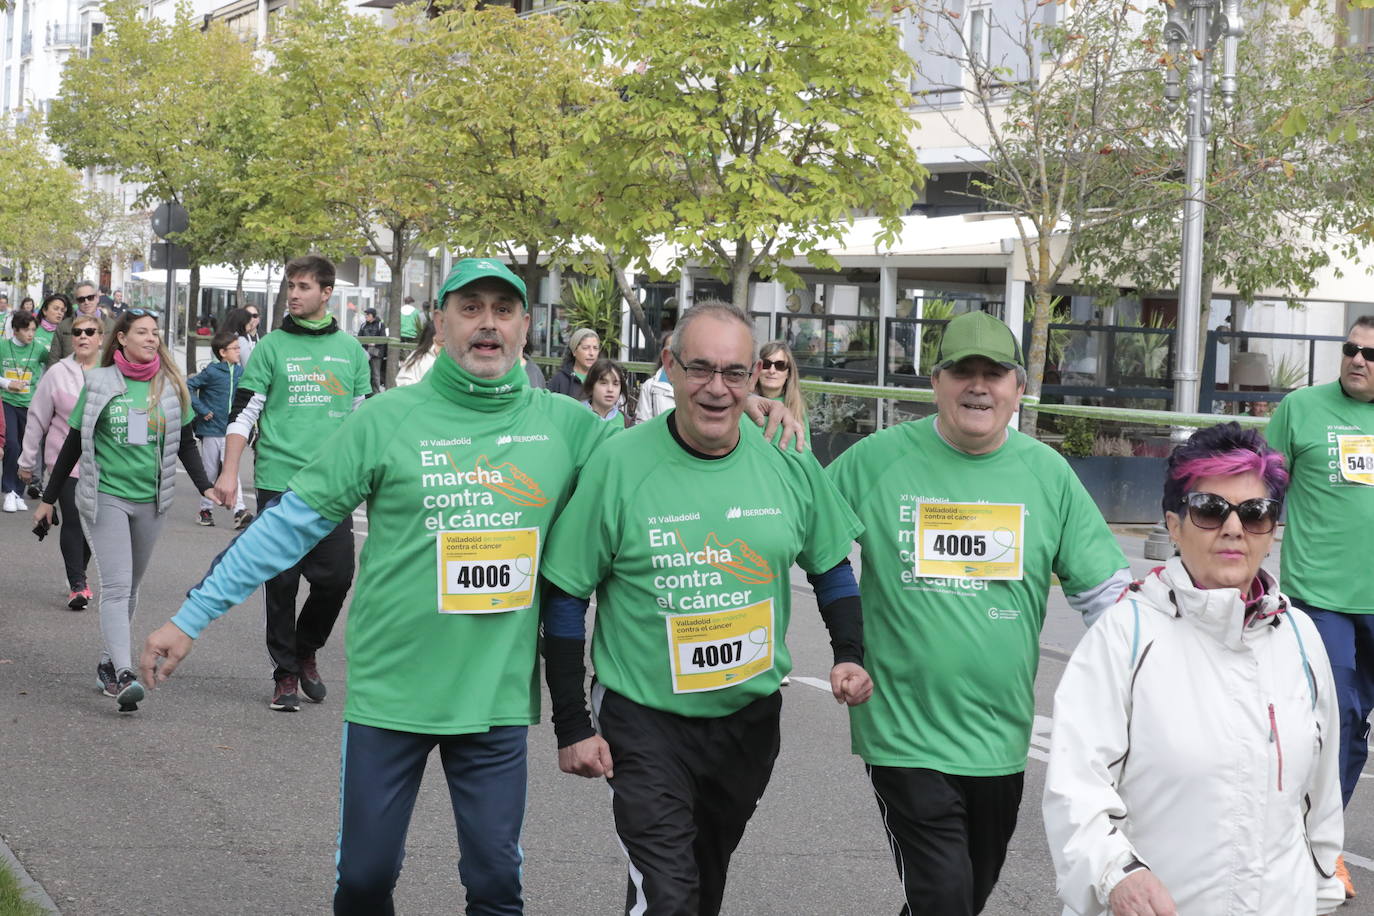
x=1360, y=861
x=811, y=682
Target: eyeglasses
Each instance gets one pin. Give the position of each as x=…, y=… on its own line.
x=91, y=298
x=1209, y=511
x=696, y=372
x=85, y=332
x=781, y=365
x=1350, y=349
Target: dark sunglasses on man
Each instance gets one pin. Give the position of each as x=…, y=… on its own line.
x=91, y=298
x=1209, y=511
x=1350, y=349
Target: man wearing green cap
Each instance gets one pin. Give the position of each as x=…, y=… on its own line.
x=964, y=520
x=462, y=474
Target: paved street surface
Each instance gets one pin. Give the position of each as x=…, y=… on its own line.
x=207, y=802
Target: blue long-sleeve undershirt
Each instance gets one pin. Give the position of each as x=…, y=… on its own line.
x=276, y=540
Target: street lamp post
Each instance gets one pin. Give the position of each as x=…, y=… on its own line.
x=1196, y=31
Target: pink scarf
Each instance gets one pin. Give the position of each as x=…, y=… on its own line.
x=47, y=325
x=139, y=372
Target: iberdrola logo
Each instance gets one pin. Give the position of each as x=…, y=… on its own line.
x=511, y=482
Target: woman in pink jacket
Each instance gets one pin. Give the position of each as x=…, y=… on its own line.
x=53, y=401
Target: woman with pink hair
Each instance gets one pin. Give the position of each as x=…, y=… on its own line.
x=1193, y=755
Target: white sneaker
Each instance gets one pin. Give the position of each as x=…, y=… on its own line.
x=20, y=504
x=11, y=502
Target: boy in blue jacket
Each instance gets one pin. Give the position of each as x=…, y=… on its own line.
x=212, y=395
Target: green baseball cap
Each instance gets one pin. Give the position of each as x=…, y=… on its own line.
x=470, y=269
x=978, y=334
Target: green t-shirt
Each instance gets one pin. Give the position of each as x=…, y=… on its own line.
x=1327, y=440
x=310, y=382
x=690, y=559
x=20, y=364
x=443, y=628
x=42, y=338
x=952, y=650
x=130, y=471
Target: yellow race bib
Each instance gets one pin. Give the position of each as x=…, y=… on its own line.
x=969, y=540
x=720, y=649
x=1357, y=459
x=487, y=572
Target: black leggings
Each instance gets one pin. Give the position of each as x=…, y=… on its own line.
x=76, y=553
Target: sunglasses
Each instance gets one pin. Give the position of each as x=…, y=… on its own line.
x=85, y=332
x=1209, y=511
x=779, y=364
x=252, y=314
x=90, y=298
x=1350, y=349
x=139, y=313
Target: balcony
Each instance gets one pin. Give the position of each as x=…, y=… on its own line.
x=62, y=36
x=26, y=46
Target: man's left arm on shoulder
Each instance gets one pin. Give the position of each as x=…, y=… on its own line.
x=837, y=593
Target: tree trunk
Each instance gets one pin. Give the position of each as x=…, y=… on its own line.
x=279, y=304
x=530, y=272
x=636, y=307
x=1035, y=355
x=739, y=284
x=192, y=308
x=238, y=288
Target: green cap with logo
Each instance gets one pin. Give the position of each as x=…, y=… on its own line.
x=978, y=334
x=470, y=269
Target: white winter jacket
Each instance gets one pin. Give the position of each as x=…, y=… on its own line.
x=1202, y=747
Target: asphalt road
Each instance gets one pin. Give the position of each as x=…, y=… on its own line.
x=207, y=802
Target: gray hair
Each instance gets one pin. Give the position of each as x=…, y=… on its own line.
x=82, y=283
x=714, y=308
x=1020, y=373
x=580, y=335
x=1364, y=321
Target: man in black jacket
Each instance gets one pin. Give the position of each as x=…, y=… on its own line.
x=376, y=353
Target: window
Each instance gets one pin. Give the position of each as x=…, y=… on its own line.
x=1359, y=24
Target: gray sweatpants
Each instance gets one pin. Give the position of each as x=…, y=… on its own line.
x=122, y=542
x=212, y=456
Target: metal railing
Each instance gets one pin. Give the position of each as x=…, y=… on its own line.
x=62, y=36
x=1211, y=392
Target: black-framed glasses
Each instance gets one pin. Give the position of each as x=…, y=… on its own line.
x=85, y=332
x=1209, y=511
x=91, y=298
x=1350, y=349
x=733, y=378
x=781, y=365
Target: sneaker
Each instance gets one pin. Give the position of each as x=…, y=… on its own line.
x=284, y=697
x=311, y=685
x=242, y=518
x=19, y=504
x=86, y=593
x=11, y=502
x=206, y=518
x=1344, y=874
x=33, y=492
x=106, y=679
x=130, y=691
x=78, y=599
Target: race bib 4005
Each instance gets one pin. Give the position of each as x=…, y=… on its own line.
x=969, y=540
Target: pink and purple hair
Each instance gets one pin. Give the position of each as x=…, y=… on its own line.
x=1222, y=451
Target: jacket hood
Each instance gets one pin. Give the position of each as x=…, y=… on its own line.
x=1219, y=612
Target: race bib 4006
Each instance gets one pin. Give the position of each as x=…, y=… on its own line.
x=486, y=572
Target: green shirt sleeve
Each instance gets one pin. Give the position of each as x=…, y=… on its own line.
x=257, y=375
x=1277, y=433
x=832, y=527
x=362, y=372
x=74, y=421
x=583, y=539
x=1088, y=552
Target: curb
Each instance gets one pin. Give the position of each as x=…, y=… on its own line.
x=29, y=887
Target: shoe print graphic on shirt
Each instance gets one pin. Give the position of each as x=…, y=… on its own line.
x=509, y=481
x=745, y=564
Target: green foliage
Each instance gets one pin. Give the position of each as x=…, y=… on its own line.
x=936, y=310
x=1143, y=355
x=38, y=221
x=13, y=902
x=746, y=133
x=596, y=304
x=1080, y=434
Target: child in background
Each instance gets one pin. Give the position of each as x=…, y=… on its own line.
x=212, y=396
x=603, y=390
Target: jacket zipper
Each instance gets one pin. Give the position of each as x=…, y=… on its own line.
x=1274, y=739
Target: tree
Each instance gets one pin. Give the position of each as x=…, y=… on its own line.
x=153, y=104
x=40, y=214
x=749, y=133
x=1040, y=90
x=1287, y=184
x=352, y=160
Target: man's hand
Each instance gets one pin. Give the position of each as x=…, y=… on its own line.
x=1141, y=894
x=225, y=487
x=168, y=643
x=209, y=416
x=43, y=513
x=850, y=684
x=776, y=413
x=590, y=757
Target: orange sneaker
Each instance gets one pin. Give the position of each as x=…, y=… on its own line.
x=1344, y=874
